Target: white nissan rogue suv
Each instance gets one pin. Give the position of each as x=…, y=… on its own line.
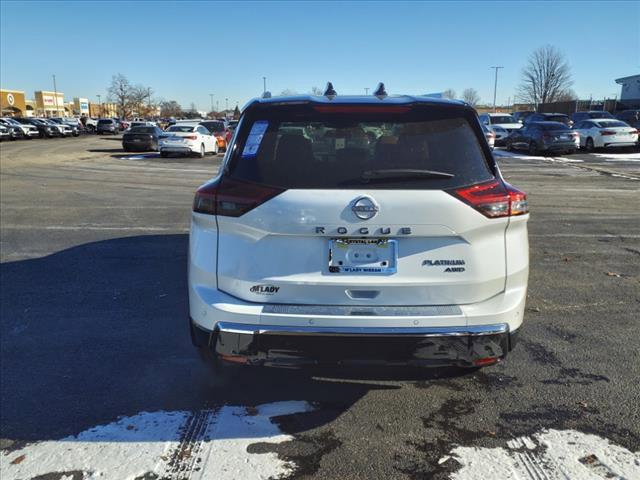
x=364, y=229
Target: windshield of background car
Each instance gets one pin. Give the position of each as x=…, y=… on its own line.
x=600, y=115
x=180, y=128
x=612, y=123
x=142, y=130
x=303, y=148
x=213, y=126
x=105, y=122
x=503, y=119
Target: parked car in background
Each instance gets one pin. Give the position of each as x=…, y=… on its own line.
x=107, y=125
x=630, y=117
x=142, y=138
x=549, y=117
x=218, y=130
x=188, y=138
x=141, y=123
x=66, y=129
x=490, y=136
x=5, y=133
x=520, y=116
x=44, y=128
x=29, y=131
x=91, y=124
x=580, y=116
x=606, y=133
x=502, y=124
x=544, y=137
x=15, y=131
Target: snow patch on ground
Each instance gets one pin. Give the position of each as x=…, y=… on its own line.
x=506, y=153
x=613, y=157
x=199, y=445
x=550, y=454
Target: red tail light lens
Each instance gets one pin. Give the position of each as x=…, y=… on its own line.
x=191, y=137
x=494, y=199
x=607, y=132
x=231, y=198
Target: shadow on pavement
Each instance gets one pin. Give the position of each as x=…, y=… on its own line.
x=99, y=331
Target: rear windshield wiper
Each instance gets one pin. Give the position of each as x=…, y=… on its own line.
x=403, y=173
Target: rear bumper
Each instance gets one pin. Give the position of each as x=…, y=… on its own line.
x=176, y=149
x=276, y=345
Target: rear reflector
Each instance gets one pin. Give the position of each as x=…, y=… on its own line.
x=494, y=199
x=483, y=362
x=191, y=137
x=231, y=198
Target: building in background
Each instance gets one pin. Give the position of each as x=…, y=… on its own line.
x=630, y=89
x=12, y=103
x=50, y=104
x=81, y=106
x=103, y=110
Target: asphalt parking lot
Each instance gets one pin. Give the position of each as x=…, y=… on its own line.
x=93, y=244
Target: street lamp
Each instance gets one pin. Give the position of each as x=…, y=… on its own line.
x=226, y=104
x=55, y=92
x=495, y=87
x=100, y=104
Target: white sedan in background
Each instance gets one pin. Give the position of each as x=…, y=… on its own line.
x=501, y=124
x=187, y=138
x=604, y=133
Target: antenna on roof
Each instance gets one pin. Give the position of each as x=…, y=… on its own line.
x=266, y=95
x=329, y=92
x=380, y=92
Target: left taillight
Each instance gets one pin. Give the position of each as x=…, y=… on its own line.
x=231, y=198
x=494, y=199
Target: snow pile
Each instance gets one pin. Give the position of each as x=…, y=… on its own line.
x=203, y=445
x=551, y=454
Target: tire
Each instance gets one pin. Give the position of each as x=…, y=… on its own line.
x=533, y=148
x=215, y=149
x=509, y=147
x=164, y=154
x=571, y=152
x=589, y=146
x=202, y=152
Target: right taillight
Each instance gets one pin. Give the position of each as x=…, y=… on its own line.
x=494, y=199
x=231, y=198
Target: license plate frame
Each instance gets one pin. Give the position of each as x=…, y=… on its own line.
x=363, y=256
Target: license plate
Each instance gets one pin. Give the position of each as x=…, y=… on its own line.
x=363, y=256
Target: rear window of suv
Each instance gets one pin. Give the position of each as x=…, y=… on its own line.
x=105, y=122
x=306, y=149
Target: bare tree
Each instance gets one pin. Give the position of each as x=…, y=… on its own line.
x=170, y=109
x=119, y=92
x=546, y=78
x=316, y=91
x=449, y=93
x=470, y=95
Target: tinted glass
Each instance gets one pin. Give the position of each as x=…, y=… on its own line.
x=600, y=115
x=180, y=128
x=330, y=151
x=213, y=126
x=612, y=123
x=503, y=119
x=143, y=130
x=557, y=126
x=105, y=122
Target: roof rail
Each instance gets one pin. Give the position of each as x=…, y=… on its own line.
x=329, y=91
x=380, y=92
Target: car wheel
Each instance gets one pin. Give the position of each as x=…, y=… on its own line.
x=201, y=154
x=216, y=150
x=571, y=152
x=164, y=154
x=509, y=147
x=589, y=146
x=533, y=148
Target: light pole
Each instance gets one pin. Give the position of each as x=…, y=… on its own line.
x=211, y=95
x=495, y=87
x=264, y=84
x=100, y=104
x=55, y=92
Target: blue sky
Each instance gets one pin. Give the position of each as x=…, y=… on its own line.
x=186, y=50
